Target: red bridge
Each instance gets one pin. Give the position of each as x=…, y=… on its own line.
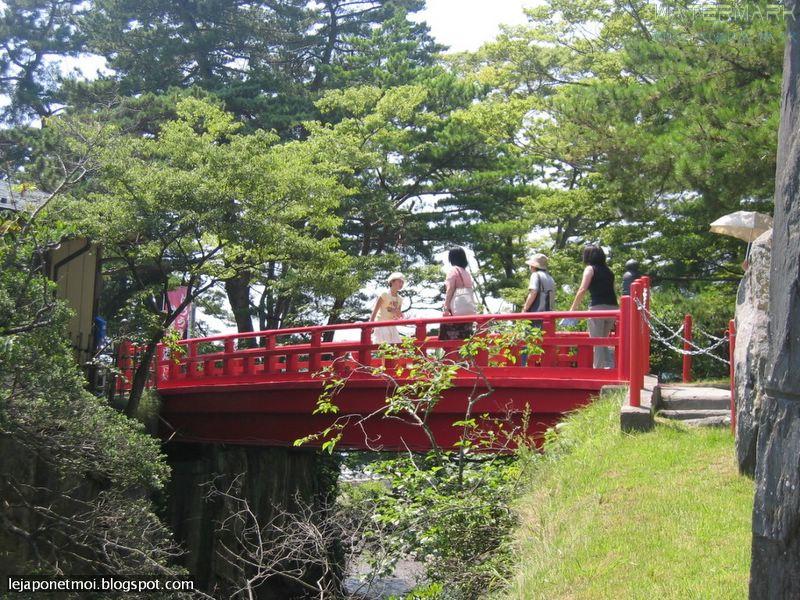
x=260, y=388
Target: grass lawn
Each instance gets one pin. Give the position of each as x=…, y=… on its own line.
x=657, y=515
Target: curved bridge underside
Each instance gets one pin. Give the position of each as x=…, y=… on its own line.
x=279, y=412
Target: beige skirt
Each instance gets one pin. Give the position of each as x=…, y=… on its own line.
x=386, y=335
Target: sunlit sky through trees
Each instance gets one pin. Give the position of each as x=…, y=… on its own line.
x=466, y=24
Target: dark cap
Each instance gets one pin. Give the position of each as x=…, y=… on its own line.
x=632, y=265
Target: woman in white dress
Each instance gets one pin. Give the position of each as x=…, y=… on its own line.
x=388, y=307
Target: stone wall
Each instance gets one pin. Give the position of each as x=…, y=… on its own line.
x=270, y=479
x=752, y=320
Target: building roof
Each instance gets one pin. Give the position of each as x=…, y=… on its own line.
x=11, y=199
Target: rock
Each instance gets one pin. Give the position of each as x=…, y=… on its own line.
x=697, y=414
x=752, y=320
x=718, y=421
x=776, y=510
x=636, y=419
x=774, y=569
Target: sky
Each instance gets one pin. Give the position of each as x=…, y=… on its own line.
x=466, y=24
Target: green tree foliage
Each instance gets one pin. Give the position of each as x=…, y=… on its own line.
x=632, y=125
x=449, y=509
x=645, y=123
x=76, y=472
x=266, y=60
x=439, y=161
x=395, y=52
x=32, y=32
x=457, y=523
x=287, y=152
x=662, y=115
x=201, y=203
x=268, y=63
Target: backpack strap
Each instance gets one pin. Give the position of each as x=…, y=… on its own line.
x=460, y=278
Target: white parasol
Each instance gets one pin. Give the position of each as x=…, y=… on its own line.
x=743, y=224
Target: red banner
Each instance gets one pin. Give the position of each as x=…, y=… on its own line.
x=174, y=299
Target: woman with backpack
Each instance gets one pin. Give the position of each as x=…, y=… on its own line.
x=541, y=292
x=541, y=287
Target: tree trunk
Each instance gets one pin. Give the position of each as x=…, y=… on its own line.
x=140, y=378
x=238, y=292
x=774, y=571
x=330, y=44
x=334, y=317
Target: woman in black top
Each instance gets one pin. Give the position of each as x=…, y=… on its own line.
x=598, y=280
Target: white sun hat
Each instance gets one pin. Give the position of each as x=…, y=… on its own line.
x=538, y=260
x=395, y=275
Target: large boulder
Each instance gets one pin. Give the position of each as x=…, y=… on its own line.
x=774, y=571
x=750, y=356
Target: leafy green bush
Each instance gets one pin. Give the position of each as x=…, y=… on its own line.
x=456, y=521
x=76, y=473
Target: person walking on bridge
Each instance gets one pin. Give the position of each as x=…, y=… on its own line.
x=598, y=280
x=459, y=298
x=631, y=274
x=388, y=307
x=541, y=293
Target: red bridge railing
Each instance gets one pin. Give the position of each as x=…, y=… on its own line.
x=636, y=314
x=295, y=354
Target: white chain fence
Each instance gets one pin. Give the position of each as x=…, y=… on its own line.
x=657, y=326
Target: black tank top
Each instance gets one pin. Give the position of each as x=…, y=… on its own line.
x=601, y=289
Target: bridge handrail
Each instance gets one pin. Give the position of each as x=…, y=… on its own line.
x=480, y=319
x=273, y=359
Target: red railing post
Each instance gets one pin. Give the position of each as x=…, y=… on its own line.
x=249, y=361
x=635, y=369
x=125, y=364
x=315, y=352
x=624, y=335
x=162, y=364
x=175, y=363
x=227, y=360
x=731, y=351
x=550, y=355
x=421, y=332
x=365, y=353
x=687, y=347
x=270, y=360
x=292, y=361
x=152, y=370
x=191, y=362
